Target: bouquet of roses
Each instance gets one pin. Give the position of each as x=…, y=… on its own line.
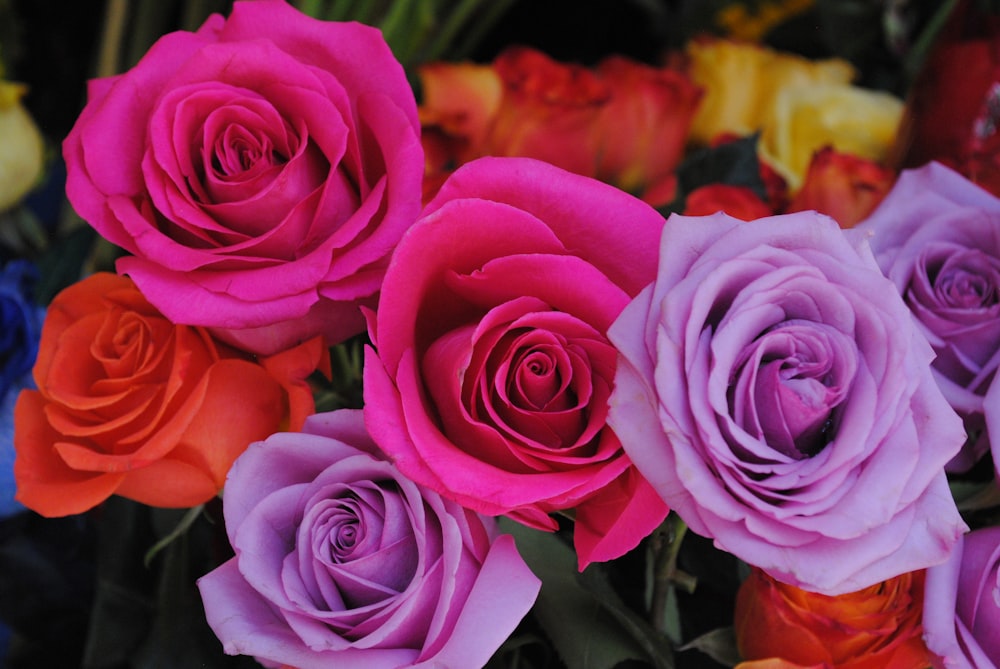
x=546, y=364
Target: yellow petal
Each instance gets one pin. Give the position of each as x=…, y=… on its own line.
x=806, y=118
x=21, y=147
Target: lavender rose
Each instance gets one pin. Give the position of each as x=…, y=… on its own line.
x=259, y=170
x=341, y=561
x=773, y=389
x=937, y=237
x=962, y=603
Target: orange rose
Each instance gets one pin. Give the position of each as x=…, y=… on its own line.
x=549, y=111
x=645, y=123
x=623, y=122
x=130, y=404
x=843, y=186
x=778, y=663
x=458, y=104
x=878, y=627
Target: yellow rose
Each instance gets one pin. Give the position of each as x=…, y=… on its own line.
x=742, y=80
x=21, y=146
x=805, y=119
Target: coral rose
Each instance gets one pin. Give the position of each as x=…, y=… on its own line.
x=843, y=186
x=645, y=123
x=877, y=627
x=623, y=121
x=491, y=371
x=130, y=404
x=549, y=110
x=260, y=171
x=341, y=561
x=772, y=387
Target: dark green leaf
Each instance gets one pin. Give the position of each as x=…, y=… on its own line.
x=586, y=622
x=62, y=263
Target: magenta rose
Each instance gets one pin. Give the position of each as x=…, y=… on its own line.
x=259, y=171
x=962, y=604
x=937, y=237
x=775, y=392
x=343, y=562
x=491, y=373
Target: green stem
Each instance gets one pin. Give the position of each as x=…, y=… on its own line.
x=185, y=523
x=666, y=576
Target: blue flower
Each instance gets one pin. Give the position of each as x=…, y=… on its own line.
x=20, y=329
x=20, y=322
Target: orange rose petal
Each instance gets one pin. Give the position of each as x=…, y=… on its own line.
x=760, y=610
x=779, y=663
x=85, y=424
x=45, y=483
x=243, y=404
x=168, y=483
x=291, y=368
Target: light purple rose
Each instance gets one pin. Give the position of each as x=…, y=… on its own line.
x=774, y=390
x=937, y=237
x=962, y=603
x=341, y=561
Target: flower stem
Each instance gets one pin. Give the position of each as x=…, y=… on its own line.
x=666, y=576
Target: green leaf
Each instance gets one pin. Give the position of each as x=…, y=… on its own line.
x=63, y=263
x=589, y=626
x=975, y=496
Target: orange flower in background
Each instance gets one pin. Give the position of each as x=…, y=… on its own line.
x=130, y=404
x=737, y=201
x=644, y=124
x=742, y=80
x=843, y=186
x=623, y=121
x=878, y=627
x=458, y=104
x=549, y=111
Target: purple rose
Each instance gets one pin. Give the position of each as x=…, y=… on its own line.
x=773, y=389
x=937, y=237
x=341, y=561
x=962, y=603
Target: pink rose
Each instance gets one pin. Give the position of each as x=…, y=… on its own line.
x=937, y=237
x=492, y=372
x=260, y=171
x=962, y=603
x=343, y=562
x=775, y=392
